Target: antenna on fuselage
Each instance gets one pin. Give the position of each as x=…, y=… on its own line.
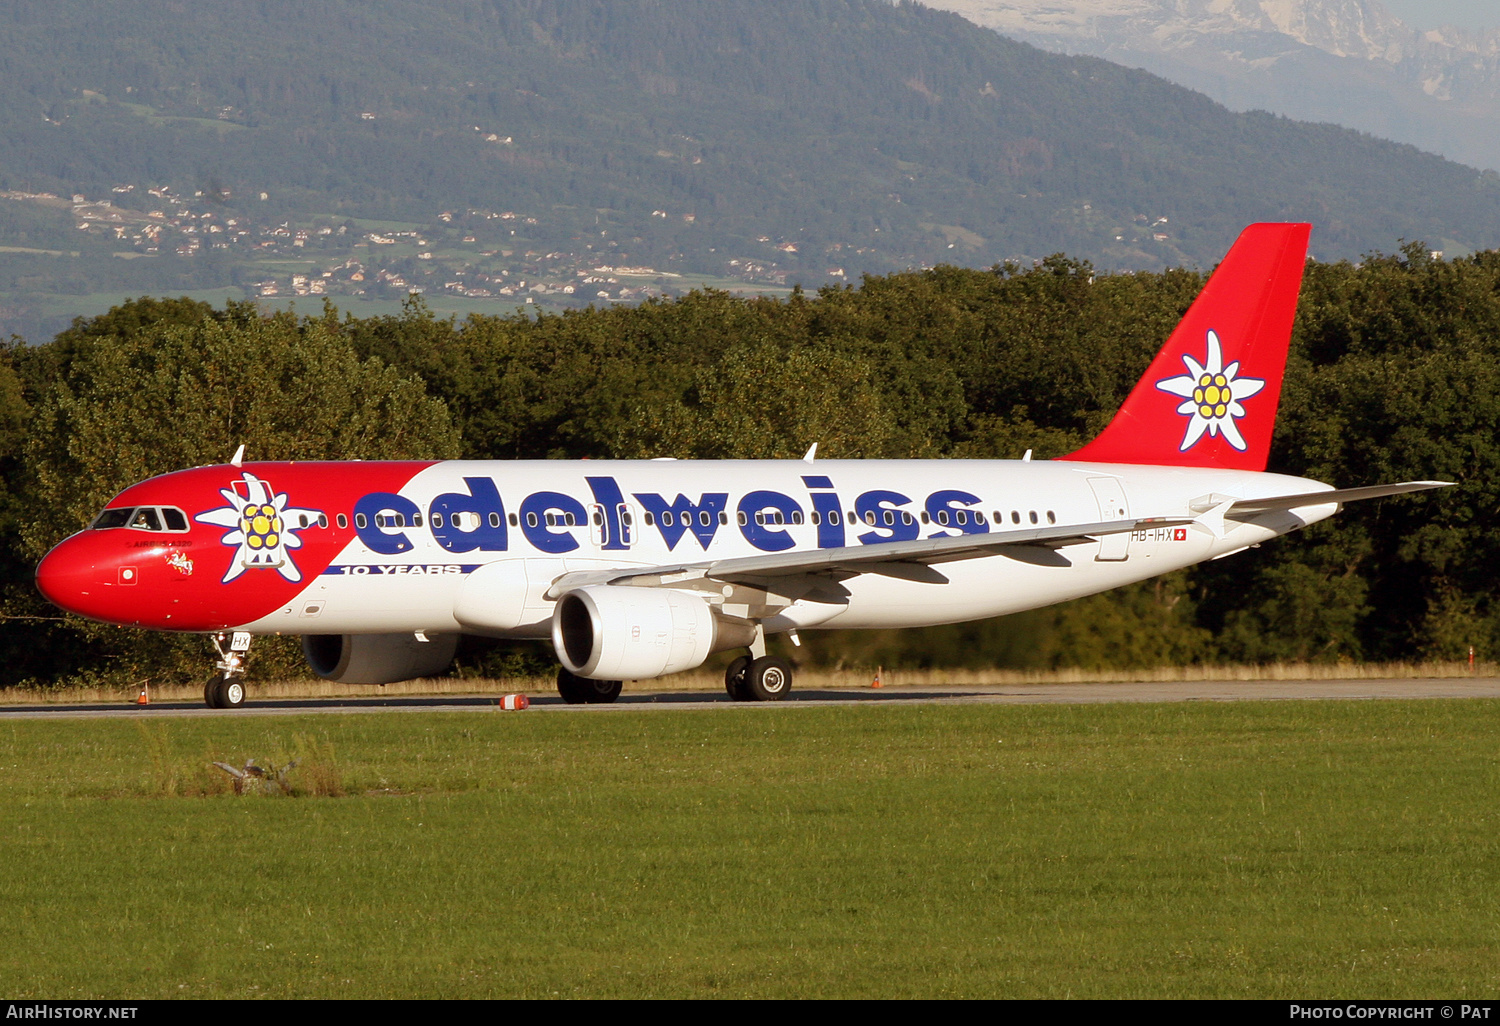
x=812, y=453
x=238, y=458
x=1024, y=459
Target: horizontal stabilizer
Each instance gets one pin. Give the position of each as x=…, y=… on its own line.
x=1339, y=495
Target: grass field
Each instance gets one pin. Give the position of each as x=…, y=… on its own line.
x=1289, y=849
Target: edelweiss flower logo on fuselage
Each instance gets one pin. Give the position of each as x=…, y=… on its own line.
x=264, y=528
x=1213, y=393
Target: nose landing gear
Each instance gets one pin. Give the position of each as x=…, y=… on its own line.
x=226, y=689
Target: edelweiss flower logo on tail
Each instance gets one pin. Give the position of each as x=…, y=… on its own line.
x=1213, y=393
x=263, y=527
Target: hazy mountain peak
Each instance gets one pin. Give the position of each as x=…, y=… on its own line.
x=1351, y=62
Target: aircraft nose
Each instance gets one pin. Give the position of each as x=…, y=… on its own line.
x=65, y=577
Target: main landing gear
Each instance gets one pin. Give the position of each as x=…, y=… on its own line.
x=576, y=690
x=761, y=679
x=226, y=688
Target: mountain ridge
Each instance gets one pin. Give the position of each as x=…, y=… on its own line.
x=1350, y=62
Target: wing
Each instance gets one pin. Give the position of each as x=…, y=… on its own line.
x=907, y=560
x=916, y=560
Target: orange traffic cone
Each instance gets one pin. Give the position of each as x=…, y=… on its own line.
x=876, y=682
x=144, y=698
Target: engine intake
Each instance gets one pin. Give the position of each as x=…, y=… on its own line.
x=624, y=633
x=377, y=658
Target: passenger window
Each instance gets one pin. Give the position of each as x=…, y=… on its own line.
x=1033, y=516
x=1051, y=517
x=668, y=519
x=437, y=520
x=744, y=520
x=704, y=519
x=925, y=518
x=814, y=518
x=997, y=516
x=1015, y=517
x=175, y=518
x=889, y=518
x=416, y=520
x=343, y=521
x=906, y=518
x=494, y=519
x=322, y=519
x=514, y=522
x=145, y=519
x=650, y=519
x=943, y=517
x=360, y=521
x=723, y=518
x=962, y=517
x=531, y=519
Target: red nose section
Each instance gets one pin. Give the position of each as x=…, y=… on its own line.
x=64, y=579
x=87, y=575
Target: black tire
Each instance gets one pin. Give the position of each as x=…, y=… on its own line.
x=602, y=692
x=571, y=686
x=213, y=692
x=576, y=690
x=734, y=679
x=231, y=693
x=768, y=679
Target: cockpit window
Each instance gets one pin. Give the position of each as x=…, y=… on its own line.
x=146, y=519
x=143, y=518
x=113, y=518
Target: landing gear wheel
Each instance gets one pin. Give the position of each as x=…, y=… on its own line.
x=768, y=679
x=224, y=692
x=576, y=690
x=734, y=679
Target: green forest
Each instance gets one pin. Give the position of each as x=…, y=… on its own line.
x=1394, y=375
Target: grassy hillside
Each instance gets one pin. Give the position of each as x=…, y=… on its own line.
x=808, y=141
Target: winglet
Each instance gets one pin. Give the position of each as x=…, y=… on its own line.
x=1209, y=398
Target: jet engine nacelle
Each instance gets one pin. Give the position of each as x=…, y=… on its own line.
x=377, y=658
x=622, y=633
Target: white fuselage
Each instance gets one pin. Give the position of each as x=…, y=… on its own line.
x=528, y=523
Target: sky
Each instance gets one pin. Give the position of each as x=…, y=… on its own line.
x=1428, y=14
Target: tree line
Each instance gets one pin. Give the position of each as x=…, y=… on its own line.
x=1394, y=375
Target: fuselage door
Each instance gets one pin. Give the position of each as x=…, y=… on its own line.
x=1110, y=493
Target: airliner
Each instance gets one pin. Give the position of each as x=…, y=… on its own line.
x=642, y=568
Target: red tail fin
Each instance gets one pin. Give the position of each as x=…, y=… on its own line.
x=1209, y=398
